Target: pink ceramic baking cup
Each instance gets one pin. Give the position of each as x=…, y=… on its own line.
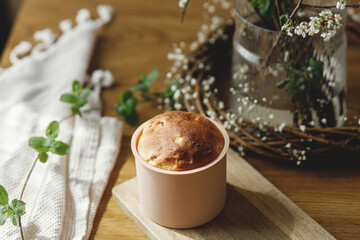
x=182, y=199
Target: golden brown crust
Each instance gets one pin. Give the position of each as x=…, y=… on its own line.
x=180, y=141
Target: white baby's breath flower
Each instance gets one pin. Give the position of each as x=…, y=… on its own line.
x=326, y=14
x=315, y=25
x=302, y=128
x=302, y=29
x=221, y=104
x=177, y=106
x=173, y=88
x=282, y=126
x=338, y=19
x=340, y=4
x=330, y=24
x=288, y=28
x=289, y=33
x=182, y=3
x=328, y=35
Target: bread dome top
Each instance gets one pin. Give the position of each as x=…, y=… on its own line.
x=180, y=141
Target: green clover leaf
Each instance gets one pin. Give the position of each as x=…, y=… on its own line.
x=43, y=157
x=12, y=211
x=3, y=215
x=14, y=219
x=69, y=98
x=76, y=87
x=4, y=199
x=52, y=130
x=18, y=207
x=38, y=143
x=44, y=145
x=78, y=98
x=59, y=148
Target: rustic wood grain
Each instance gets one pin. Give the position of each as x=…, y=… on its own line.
x=255, y=209
x=138, y=40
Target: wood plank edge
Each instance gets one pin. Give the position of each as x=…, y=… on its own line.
x=127, y=209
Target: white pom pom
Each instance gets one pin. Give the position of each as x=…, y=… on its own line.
x=22, y=48
x=105, y=12
x=65, y=25
x=96, y=77
x=46, y=36
x=108, y=79
x=83, y=15
x=102, y=78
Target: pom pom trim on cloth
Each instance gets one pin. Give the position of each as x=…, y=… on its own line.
x=47, y=38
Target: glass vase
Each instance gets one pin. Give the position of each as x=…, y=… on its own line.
x=266, y=61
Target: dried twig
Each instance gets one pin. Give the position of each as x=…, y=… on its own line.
x=278, y=36
x=184, y=11
x=330, y=6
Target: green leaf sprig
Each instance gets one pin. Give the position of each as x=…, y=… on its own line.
x=169, y=91
x=126, y=107
x=127, y=101
x=44, y=145
x=78, y=98
x=14, y=210
x=145, y=82
x=302, y=81
x=266, y=7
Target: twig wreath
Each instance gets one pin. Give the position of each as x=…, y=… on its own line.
x=198, y=92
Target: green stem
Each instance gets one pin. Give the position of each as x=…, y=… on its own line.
x=22, y=193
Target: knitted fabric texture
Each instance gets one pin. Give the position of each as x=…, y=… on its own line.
x=62, y=194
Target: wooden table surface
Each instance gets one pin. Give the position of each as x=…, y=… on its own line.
x=138, y=40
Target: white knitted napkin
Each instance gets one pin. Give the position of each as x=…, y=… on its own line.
x=62, y=195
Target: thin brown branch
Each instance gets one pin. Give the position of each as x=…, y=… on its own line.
x=330, y=130
x=183, y=12
x=321, y=140
x=278, y=12
x=330, y=6
x=238, y=140
x=251, y=137
x=280, y=32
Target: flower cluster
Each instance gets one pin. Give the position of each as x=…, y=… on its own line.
x=340, y=4
x=327, y=23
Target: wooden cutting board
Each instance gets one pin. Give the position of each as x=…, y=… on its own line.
x=255, y=209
